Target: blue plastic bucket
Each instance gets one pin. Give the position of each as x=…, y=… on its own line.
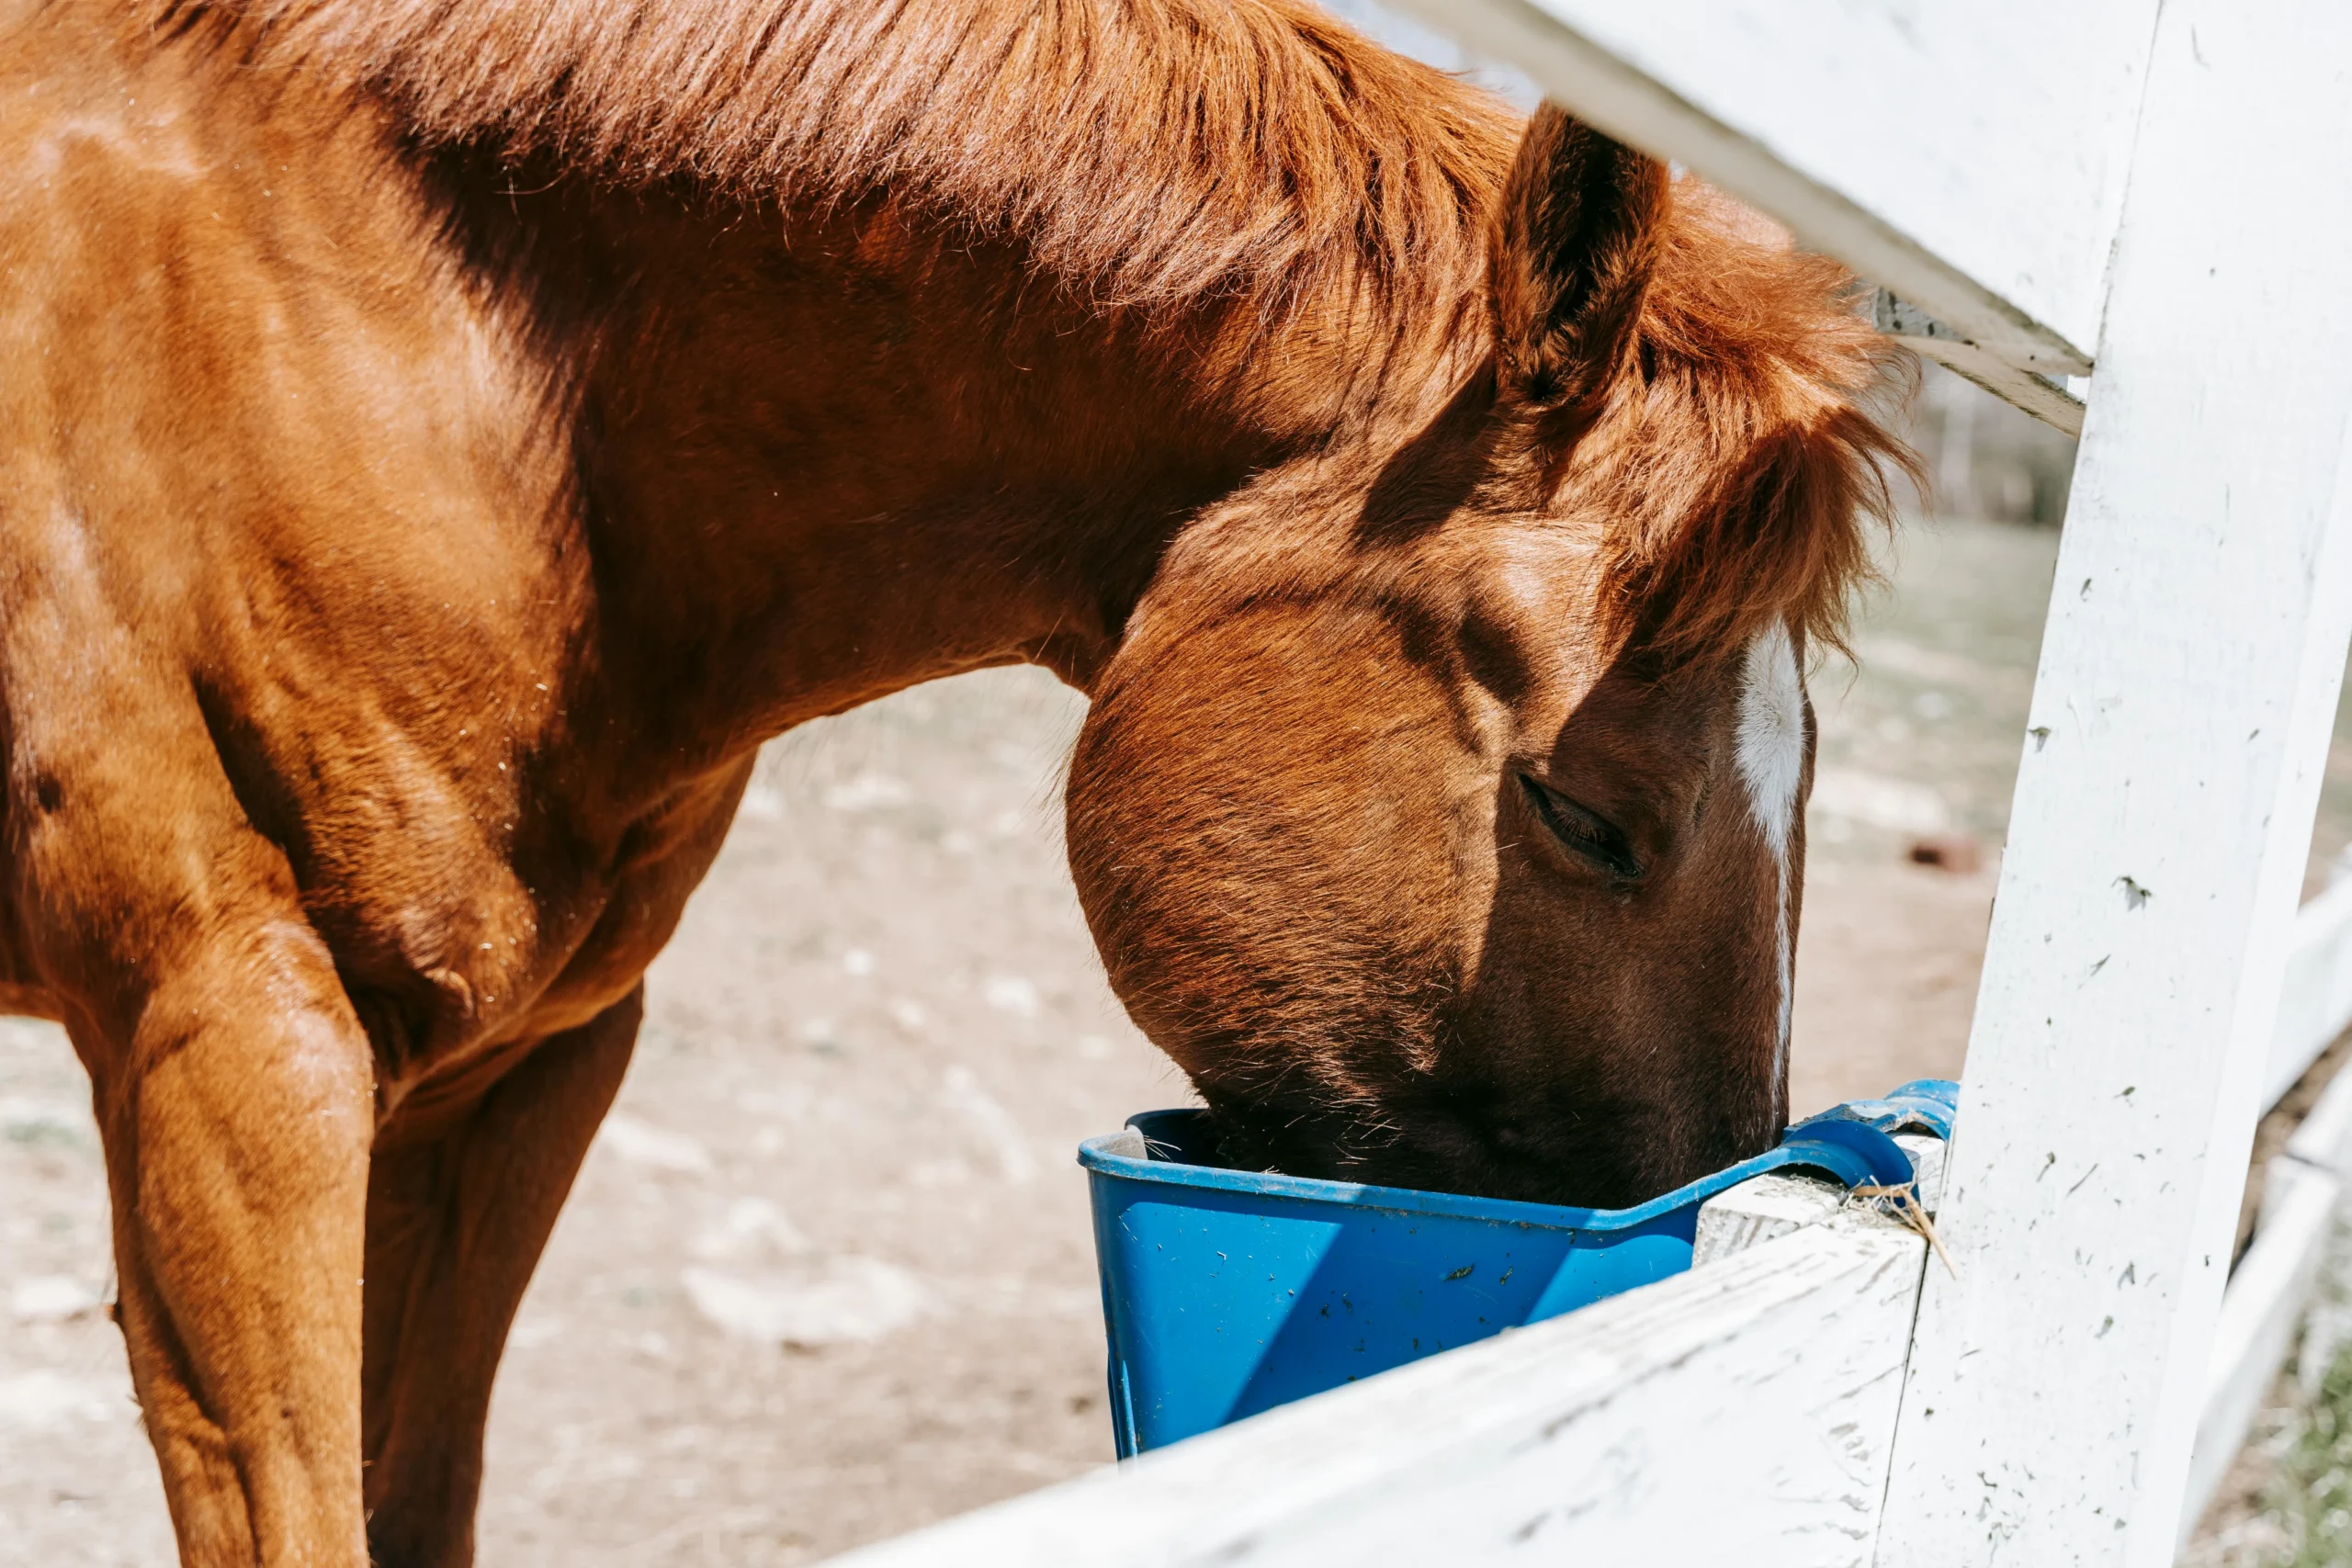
x=1227, y=1292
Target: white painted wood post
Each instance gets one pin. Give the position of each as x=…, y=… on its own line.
x=2164, y=802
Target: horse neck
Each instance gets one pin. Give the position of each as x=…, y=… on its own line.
x=830, y=457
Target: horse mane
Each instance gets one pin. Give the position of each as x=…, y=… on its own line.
x=1249, y=157
x=1152, y=154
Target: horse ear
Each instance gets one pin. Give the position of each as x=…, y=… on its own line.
x=1575, y=243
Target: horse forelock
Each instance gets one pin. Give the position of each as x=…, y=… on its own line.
x=1747, y=454
x=1732, y=484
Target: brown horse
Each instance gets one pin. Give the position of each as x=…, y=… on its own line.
x=438, y=443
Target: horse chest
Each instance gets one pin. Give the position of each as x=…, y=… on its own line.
x=499, y=956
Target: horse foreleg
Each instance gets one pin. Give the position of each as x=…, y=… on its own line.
x=455, y=1227
x=237, y=1113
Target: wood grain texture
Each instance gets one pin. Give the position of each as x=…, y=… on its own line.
x=1767, y=1207
x=2188, y=677
x=1763, y=1209
x=1741, y=1411
x=2051, y=401
x=1970, y=157
x=2036, y=394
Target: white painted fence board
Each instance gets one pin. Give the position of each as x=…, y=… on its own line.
x=2259, y=1314
x=1740, y=1412
x=2051, y=401
x=2054, y=405
x=2316, y=999
x=2272, y=1284
x=1970, y=157
x=2323, y=1139
x=2188, y=677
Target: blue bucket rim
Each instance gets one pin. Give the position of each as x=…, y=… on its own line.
x=1851, y=1143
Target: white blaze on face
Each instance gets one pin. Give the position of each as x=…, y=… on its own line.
x=1771, y=764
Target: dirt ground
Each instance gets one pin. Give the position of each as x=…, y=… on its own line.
x=827, y=1274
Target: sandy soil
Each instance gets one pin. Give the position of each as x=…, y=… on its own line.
x=827, y=1274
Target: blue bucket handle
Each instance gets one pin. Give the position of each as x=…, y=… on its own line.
x=1855, y=1142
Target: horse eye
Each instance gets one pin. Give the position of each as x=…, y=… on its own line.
x=1586, y=833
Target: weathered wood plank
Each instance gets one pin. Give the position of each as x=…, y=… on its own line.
x=1740, y=1411
x=2272, y=1285
x=2189, y=679
x=2316, y=1000
x=2323, y=1140
x=2028, y=389
x=1971, y=158
x=2259, y=1314
x=1765, y=1208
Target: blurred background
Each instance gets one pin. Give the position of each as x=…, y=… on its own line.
x=827, y=1274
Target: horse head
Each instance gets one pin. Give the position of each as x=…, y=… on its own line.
x=1441, y=811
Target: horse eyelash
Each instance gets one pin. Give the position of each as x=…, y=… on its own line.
x=1584, y=831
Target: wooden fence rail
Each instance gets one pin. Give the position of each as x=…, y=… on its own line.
x=2302, y=1191
x=1743, y=1411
